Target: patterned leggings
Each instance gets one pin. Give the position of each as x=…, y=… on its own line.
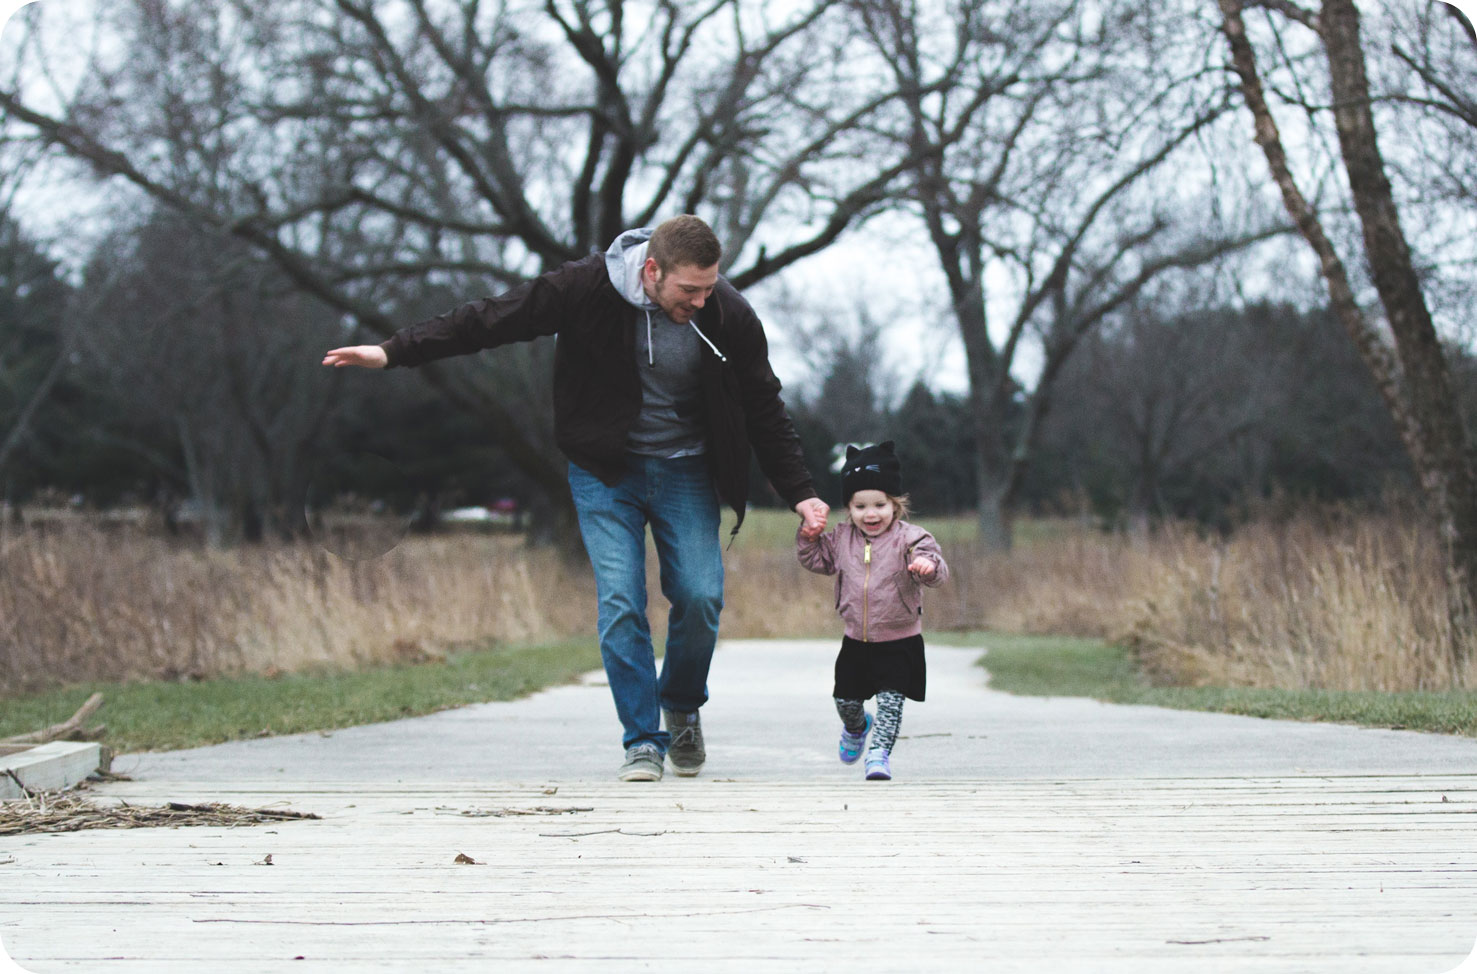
x=884, y=728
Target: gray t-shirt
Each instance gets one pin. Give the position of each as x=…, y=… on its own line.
x=671, y=394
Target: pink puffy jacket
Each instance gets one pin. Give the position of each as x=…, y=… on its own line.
x=875, y=593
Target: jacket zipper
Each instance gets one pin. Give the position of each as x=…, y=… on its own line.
x=866, y=588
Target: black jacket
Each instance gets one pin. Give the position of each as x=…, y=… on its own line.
x=597, y=391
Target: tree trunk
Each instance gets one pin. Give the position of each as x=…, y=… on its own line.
x=996, y=521
x=1446, y=470
x=986, y=402
x=994, y=471
x=1416, y=387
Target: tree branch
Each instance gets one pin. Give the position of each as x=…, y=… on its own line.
x=1289, y=10
x=300, y=270
x=1376, y=354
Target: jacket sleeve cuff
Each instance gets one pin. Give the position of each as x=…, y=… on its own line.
x=392, y=353
x=804, y=493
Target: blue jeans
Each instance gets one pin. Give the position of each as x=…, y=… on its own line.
x=679, y=500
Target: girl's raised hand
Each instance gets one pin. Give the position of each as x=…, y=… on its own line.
x=922, y=568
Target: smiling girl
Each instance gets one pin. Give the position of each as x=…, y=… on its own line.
x=881, y=563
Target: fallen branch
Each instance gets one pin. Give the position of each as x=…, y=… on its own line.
x=25, y=790
x=62, y=812
x=540, y=810
x=68, y=730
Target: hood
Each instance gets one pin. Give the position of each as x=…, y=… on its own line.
x=623, y=262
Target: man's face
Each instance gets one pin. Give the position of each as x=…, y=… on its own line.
x=681, y=291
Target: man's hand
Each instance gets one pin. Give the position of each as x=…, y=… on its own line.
x=364, y=356
x=922, y=568
x=813, y=513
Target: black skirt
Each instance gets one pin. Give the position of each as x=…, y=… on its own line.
x=865, y=669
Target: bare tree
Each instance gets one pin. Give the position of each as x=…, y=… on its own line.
x=35, y=341
x=1427, y=90
x=1036, y=132
x=204, y=346
x=1413, y=376
x=371, y=148
x=1187, y=410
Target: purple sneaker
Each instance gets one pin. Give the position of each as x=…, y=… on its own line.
x=852, y=744
x=877, y=769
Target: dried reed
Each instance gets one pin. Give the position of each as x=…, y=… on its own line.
x=1309, y=603
x=68, y=811
x=80, y=604
x=1333, y=603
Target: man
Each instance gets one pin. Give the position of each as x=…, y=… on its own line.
x=662, y=386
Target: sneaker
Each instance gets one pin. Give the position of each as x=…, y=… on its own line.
x=643, y=763
x=852, y=744
x=877, y=769
x=686, y=751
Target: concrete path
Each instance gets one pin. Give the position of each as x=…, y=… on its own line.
x=1020, y=835
x=771, y=719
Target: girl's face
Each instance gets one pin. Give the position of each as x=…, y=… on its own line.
x=871, y=511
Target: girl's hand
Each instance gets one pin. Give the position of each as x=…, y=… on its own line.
x=813, y=514
x=922, y=568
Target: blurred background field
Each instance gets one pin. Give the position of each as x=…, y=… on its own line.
x=1141, y=393
x=1334, y=601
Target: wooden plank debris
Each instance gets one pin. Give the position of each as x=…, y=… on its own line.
x=71, y=729
x=49, y=767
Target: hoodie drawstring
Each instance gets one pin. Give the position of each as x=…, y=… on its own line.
x=651, y=355
x=721, y=356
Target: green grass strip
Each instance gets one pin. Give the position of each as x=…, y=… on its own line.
x=166, y=716
x=1054, y=666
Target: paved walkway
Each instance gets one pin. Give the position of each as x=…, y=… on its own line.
x=1020, y=834
x=771, y=719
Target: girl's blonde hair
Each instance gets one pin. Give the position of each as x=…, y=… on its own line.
x=901, y=506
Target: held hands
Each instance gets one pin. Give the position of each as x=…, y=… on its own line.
x=922, y=568
x=813, y=513
x=364, y=356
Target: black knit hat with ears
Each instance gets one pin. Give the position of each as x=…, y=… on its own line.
x=871, y=468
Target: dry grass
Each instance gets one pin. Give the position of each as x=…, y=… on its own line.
x=1332, y=603
x=1322, y=600
x=1305, y=604
x=79, y=603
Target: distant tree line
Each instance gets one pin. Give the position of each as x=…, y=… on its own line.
x=1201, y=416
x=1192, y=415
x=230, y=422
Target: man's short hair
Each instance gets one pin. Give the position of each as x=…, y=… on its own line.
x=684, y=240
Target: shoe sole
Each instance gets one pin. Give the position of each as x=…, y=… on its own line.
x=687, y=771
x=878, y=776
x=644, y=772
x=640, y=776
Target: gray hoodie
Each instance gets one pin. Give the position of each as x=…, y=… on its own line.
x=667, y=357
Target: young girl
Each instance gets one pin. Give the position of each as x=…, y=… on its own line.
x=880, y=561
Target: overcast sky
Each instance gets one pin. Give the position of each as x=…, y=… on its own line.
x=839, y=286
